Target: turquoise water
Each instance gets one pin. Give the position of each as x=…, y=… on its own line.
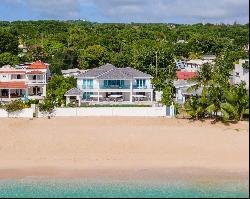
x=29, y=188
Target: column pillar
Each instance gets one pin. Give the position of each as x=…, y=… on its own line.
x=131, y=91
x=67, y=100
x=79, y=100
x=27, y=92
x=152, y=96
x=44, y=90
x=9, y=93
x=98, y=96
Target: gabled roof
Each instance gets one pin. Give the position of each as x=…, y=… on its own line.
x=115, y=73
x=108, y=71
x=136, y=73
x=73, y=92
x=95, y=72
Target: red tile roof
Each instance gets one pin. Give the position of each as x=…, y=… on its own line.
x=38, y=65
x=14, y=85
x=185, y=75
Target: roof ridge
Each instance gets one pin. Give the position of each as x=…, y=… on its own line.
x=105, y=72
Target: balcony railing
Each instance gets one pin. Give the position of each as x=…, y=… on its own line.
x=87, y=87
x=39, y=81
x=142, y=87
x=115, y=87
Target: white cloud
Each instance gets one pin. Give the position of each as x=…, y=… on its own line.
x=180, y=11
x=162, y=10
x=55, y=8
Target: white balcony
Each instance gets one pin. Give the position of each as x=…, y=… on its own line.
x=36, y=81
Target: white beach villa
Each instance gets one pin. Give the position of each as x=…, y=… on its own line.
x=108, y=84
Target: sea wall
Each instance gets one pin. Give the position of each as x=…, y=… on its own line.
x=25, y=113
x=110, y=111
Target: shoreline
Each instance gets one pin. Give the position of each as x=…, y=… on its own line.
x=123, y=148
x=167, y=174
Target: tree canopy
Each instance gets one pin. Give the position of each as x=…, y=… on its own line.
x=152, y=48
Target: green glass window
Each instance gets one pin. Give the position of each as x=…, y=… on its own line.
x=140, y=83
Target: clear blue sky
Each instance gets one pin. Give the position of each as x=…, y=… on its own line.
x=168, y=11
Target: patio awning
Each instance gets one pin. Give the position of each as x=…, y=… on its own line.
x=13, y=85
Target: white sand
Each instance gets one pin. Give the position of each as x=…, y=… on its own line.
x=84, y=146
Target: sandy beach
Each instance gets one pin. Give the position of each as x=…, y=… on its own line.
x=125, y=147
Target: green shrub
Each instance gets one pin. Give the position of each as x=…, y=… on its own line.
x=14, y=106
x=72, y=105
x=35, y=101
x=47, y=106
x=116, y=105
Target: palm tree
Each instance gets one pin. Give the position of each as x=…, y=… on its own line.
x=203, y=79
x=237, y=103
x=196, y=106
x=216, y=98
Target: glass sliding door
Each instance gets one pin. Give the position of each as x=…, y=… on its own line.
x=88, y=83
x=86, y=95
x=113, y=84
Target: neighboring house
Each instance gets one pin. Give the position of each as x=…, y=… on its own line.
x=187, y=66
x=181, y=88
x=25, y=81
x=194, y=64
x=108, y=83
x=241, y=73
x=72, y=72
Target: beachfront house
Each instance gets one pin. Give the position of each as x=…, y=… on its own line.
x=24, y=81
x=182, y=92
x=108, y=84
x=241, y=73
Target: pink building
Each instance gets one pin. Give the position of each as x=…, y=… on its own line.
x=26, y=81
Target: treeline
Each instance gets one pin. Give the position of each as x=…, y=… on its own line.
x=149, y=47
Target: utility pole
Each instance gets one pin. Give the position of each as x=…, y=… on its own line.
x=156, y=64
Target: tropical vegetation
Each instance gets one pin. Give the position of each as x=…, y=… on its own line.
x=151, y=48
